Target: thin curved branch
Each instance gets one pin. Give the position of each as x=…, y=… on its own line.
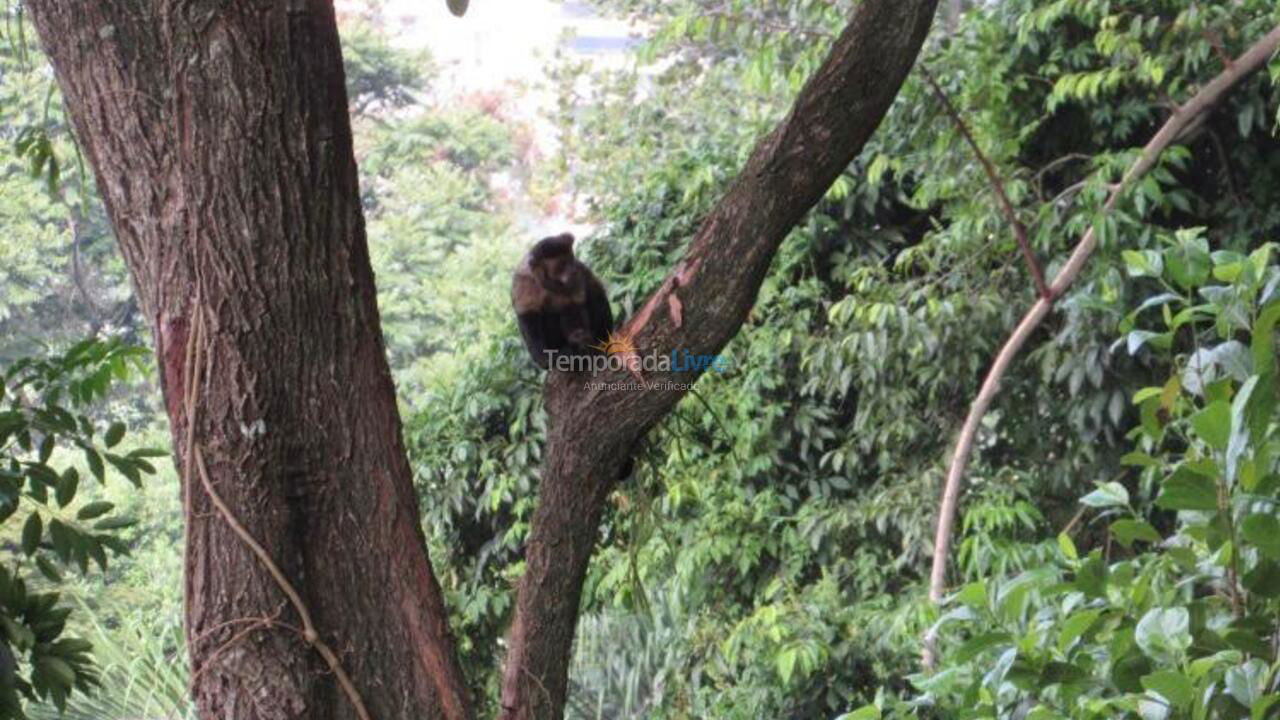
x=997, y=185
x=1251, y=61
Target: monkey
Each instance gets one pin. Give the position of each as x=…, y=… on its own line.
x=560, y=305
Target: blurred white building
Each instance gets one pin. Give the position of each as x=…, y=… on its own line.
x=500, y=42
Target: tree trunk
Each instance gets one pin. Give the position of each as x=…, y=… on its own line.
x=221, y=143
x=699, y=308
x=222, y=148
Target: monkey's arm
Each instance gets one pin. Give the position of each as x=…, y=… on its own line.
x=534, y=333
x=599, y=315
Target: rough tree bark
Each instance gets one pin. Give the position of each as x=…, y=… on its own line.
x=221, y=144
x=699, y=308
x=220, y=139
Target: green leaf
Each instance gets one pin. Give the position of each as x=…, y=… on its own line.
x=866, y=712
x=57, y=670
x=1263, y=343
x=114, y=435
x=126, y=467
x=32, y=531
x=979, y=644
x=95, y=509
x=1263, y=530
x=115, y=523
x=1263, y=579
x=973, y=595
x=1075, y=626
x=1164, y=633
x=96, y=467
x=1067, y=547
x=1213, y=424
x=1144, y=263
x=65, y=491
x=1202, y=666
x=62, y=538
x=1138, y=459
x=1185, y=490
x=1189, y=262
x=1108, y=494
x=1145, y=393
x=786, y=664
x=1129, y=531
x=1247, y=682
x=1091, y=578
x=47, y=568
x=1172, y=686
x=1262, y=705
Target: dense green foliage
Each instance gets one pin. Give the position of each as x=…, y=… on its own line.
x=45, y=422
x=768, y=558
x=1116, y=555
x=1175, y=614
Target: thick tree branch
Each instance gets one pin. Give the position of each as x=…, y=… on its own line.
x=699, y=308
x=1208, y=97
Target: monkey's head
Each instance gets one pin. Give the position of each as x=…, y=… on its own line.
x=555, y=266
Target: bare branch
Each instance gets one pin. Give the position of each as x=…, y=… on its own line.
x=1208, y=97
x=1006, y=207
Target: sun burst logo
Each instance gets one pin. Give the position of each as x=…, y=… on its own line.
x=617, y=344
x=621, y=346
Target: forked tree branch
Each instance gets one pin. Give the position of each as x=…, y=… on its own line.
x=1250, y=62
x=698, y=309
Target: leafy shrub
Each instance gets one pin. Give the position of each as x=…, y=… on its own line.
x=49, y=440
x=1174, y=613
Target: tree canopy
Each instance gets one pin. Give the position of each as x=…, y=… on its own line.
x=1116, y=551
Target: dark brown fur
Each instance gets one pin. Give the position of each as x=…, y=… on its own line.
x=560, y=304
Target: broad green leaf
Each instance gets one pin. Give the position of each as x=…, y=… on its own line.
x=1164, y=633
x=1202, y=666
x=94, y=509
x=1189, y=262
x=786, y=664
x=1143, y=263
x=47, y=568
x=1067, y=547
x=1262, y=705
x=977, y=645
x=114, y=434
x=1247, y=682
x=1263, y=530
x=1076, y=626
x=1108, y=494
x=1185, y=490
x=57, y=669
x=96, y=467
x=1091, y=578
x=1263, y=579
x=1213, y=424
x=1172, y=686
x=1263, y=343
x=32, y=531
x=1128, y=531
x=974, y=595
x=65, y=491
